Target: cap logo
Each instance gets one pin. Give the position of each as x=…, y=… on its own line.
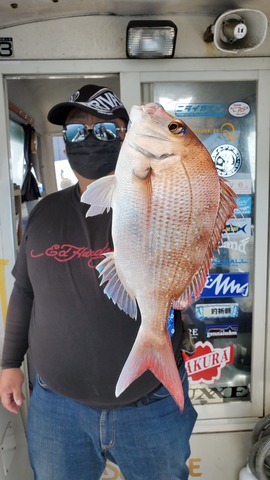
x=74, y=97
x=105, y=103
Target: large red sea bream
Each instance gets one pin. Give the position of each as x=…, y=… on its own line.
x=169, y=209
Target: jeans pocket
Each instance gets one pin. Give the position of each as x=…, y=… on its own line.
x=41, y=382
x=162, y=391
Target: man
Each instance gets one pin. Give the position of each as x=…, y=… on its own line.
x=78, y=339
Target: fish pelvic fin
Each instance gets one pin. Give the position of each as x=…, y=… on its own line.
x=114, y=289
x=227, y=205
x=99, y=195
x=159, y=359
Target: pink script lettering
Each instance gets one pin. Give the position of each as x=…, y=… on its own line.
x=67, y=252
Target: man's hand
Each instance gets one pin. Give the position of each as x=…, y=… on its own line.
x=11, y=382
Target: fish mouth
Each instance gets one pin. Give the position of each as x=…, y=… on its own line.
x=148, y=154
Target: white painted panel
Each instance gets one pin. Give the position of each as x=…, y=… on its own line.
x=97, y=37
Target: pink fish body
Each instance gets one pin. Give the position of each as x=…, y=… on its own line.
x=169, y=209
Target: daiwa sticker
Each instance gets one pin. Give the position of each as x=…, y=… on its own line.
x=200, y=109
x=222, y=331
x=239, y=109
x=222, y=285
x=216, y=310
x=206, y=364
x=237, y=227
x=227, y=159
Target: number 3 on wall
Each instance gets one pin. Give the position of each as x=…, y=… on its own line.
x=6, y=47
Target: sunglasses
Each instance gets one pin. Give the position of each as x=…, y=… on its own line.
x=104, y=131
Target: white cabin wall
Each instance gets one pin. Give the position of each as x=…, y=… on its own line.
x=104, y=37
x=92, y=38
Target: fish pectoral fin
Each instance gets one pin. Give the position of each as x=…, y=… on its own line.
x=99, y=195
x=159, y=359
x=114, y=289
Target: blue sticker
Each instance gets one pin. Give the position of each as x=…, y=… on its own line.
x=244, y=203
x=233, y=284
x=170, y=322
x=200, y=110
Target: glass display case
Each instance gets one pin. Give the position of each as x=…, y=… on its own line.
x=223, y=116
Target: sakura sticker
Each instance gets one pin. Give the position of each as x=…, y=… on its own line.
x=206, y=364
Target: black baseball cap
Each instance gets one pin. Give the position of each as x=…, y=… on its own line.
x=100, y=101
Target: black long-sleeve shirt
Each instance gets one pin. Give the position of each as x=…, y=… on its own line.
x=78, y=339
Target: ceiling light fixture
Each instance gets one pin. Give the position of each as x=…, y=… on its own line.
x=151, y=39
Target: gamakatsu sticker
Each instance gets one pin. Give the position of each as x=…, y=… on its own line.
x=227, y=159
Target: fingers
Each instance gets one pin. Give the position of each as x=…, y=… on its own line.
x=9, y=402
x=12, y=397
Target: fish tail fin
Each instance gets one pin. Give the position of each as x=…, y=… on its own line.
x=159, y=359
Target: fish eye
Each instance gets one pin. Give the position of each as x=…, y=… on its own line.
x=177, y=128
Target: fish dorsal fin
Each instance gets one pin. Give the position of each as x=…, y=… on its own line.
x=99, y=195
x=114, y=289
x=227, y=205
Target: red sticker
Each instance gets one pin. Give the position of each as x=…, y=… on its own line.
x=206, y=363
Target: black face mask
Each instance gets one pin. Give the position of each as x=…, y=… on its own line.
x=93, y=158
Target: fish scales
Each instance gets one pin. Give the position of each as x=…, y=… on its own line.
x=169, y=209
x=165, y=234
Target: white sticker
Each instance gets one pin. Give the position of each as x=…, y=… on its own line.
x=227, y=159
x=239, y=109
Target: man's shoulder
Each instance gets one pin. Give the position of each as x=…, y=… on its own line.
x=54, y=203
x=61, y=195
x=55, y=198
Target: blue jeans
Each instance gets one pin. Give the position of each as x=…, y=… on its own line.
x=70, y=441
